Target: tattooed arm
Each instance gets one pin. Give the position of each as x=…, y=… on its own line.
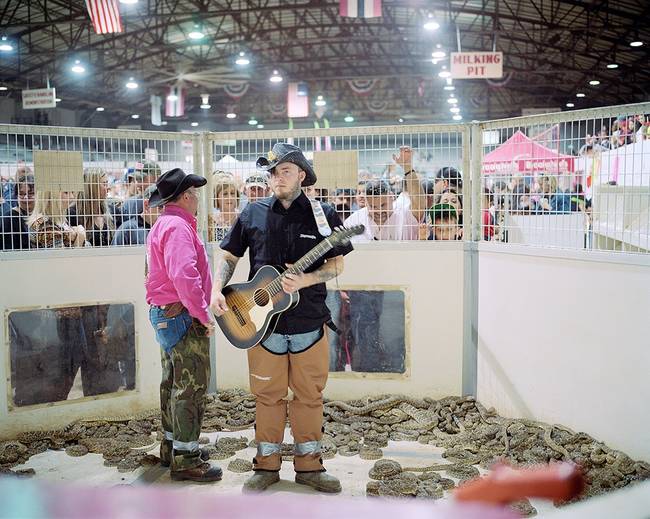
x=332, y=268
x=224, y=271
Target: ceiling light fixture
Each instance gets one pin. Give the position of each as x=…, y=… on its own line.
x=452, y=100
x=129, y=2
x=439, y=54
x=242, y=60
x=260, y=126
x=276, y=77
x=131, y=84
x=457, y=117
x=205, y=101
x=5, y=45
x=320, y=101
x=100, y=108
x=252, y=121
x=78, y=68
x=454, y=110
x=135, y=116
x=450, y=88
x=636, y=43
x=194, y=123
x=594, y=82
x=164, y=123
x=580, y=94
x=431, y=24
x=612, y=65
x=3, y=88
x=196, y=33
x=570, y=105
x=349, y=119
x=231, y=115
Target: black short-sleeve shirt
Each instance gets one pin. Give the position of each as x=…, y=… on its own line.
x=276, y=236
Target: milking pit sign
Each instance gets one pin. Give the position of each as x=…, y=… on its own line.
x=476, y=65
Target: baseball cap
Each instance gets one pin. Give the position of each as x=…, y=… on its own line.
x=442, y=211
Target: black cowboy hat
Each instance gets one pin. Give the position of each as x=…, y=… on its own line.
x=285, y=152
x=171, y=184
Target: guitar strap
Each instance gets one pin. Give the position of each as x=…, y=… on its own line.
x=319, y=215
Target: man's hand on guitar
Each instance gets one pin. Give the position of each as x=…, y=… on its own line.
x=218, y=304
x=293, y=282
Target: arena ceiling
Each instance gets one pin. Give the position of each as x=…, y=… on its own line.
x=552, y=50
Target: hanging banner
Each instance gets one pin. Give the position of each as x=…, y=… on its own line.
x=476, y=65
x=39, y=98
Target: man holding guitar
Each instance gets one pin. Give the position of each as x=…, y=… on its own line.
x=282, y=230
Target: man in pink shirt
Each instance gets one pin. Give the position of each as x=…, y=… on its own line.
x=178, y=289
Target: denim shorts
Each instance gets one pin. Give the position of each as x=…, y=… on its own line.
x=169, y=330
x=280, y=343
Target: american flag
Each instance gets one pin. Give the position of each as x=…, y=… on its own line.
x=105, y=15
x=360, y=8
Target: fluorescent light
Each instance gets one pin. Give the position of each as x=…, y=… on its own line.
x=636, y=43
x=194, y=123
x=580, y=94
x=3, y=88
x=454, y=110
x=594, y=82
x=612, y=65
x=242, y=60
x=260, y=126
x=78, y=68
x=570, y=105
x=206, y=106
x=452, y=100
x=457, y=117
x=450, y=87
x=438, y=54
x=100, y=109
x=231, y=115
x=275, y=78
x=349, y=119
x=320, y=101
x=252, y=121
x=135, y=116
x=5, y=45
x=431, y=25
x=131, y=84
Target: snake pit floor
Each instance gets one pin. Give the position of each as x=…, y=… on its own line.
x=58, y=467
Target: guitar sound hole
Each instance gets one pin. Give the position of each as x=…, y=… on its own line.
x=261, y=297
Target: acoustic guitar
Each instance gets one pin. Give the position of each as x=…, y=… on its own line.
x=254, y=307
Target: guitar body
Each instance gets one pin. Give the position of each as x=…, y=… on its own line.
x=253, y=312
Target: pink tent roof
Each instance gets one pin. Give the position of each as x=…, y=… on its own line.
x=520, y=154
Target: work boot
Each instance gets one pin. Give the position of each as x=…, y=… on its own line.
x=204, y=473
x=260, y=481
x=320, y=481
x=166, y=453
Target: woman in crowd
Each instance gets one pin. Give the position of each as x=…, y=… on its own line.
x=48, y=224
x=451, y=197
x=91, y=210
x=14, y=234
x=551, y=199
x=226, y=201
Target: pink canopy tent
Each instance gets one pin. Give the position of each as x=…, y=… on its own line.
x=520, y=154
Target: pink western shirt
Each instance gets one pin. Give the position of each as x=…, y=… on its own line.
x=178, y=264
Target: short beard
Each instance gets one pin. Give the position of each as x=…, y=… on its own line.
x=292, y=195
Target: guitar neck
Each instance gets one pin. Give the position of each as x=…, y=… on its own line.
x=303, y=263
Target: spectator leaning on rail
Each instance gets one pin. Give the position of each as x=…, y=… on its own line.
x=134, y=231
x=178, y=287
x=48, y=224
x=14, y=233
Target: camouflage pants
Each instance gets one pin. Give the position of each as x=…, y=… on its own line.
x=185, y=377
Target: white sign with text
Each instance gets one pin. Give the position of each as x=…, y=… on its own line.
x=39, y=98
x=476, y=65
